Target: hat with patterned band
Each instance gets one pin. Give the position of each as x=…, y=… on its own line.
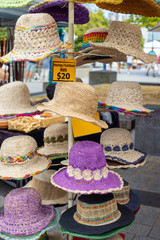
x=118, y=146
x=19, y=159
x=36, y=37
x=25, y=215
x=59, y=11
x=14, y=3
x=148, y=8
x=78, y=100
x=125, y=38
x=87, y=171
x=120, y=236
x=55, y=140
x=96, y=214
x=127, y=197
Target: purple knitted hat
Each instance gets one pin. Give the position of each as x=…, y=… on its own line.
x=59, y=11
x=87, y=171
x=24, y=213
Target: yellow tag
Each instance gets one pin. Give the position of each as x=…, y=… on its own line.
x=64, y=70
x=82, y=128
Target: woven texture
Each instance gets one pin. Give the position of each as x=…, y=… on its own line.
x=115, y=2
x=125, y=38
x=148, y=8
x=14, y=3
x=36, y=37
x=59, y=11
x=78, y=100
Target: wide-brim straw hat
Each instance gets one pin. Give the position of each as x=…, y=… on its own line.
x=125, y=38
x=115, y=237
x=36, y=37
x=59, y=11
x=14, y=3
x=148, y=8
x=77, y=100
x=115, y=2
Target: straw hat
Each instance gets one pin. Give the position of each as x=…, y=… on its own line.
x=78, y=100
x=25, y=215
x=15, y=98
x=125, y=38
x=59, y=11
x=115, y=2
x=115, y=237
x=55, y=140
x=96, y=214
x=148, y=8
x=14, y=3
x=118, y=146
x=126, y=96
x=19, y=159
x=36, y=37
x=54, y=236
x=87, y=164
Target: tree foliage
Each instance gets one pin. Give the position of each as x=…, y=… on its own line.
x=142, y=21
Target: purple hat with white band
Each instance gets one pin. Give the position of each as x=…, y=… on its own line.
x=87, y=171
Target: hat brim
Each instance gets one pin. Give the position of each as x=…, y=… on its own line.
x=4, y=110
x=134, y=202
x=61, y=180
x=118, y=165
x=53, y=224
x=24, y=55
x=24, y=170
x=16, y=4
x=67, y=221
x=53, y=150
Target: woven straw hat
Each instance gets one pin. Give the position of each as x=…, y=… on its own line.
x=55, y=140
x=118, y=146
x=125, y=38
x=14, y=3
x=15, y=98
x=126, y=96
x=148, y=8
x=19, y=159
x=36, y=37
x=78, y=100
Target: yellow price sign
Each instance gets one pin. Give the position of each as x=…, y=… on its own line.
x=64, y=70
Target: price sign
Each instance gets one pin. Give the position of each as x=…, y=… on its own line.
x=64, y=70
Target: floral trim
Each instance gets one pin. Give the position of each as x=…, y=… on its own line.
x=19, y=159
x=124, y=148
x=54, y=140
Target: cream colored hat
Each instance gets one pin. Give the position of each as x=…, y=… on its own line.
x=55, y=140
x=36, y=37
x=77, y=100
x=49, y=193
x=19, y=159
x=125, y=38
x=126, y=96
x=15, y=99
x=118, y=147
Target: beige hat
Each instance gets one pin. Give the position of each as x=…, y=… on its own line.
x=55, y=140
x=118, y=147
x=19, y=159
x=126, y=96
x=36, y=37
x=54, y=236
x=15, y=99
x=125, y=38
x=49, y=193
x=77, y=100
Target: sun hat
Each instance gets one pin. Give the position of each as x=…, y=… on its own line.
x=127, y=197
x=14, y=3
x=125, y=38
x=15, y=98
x=24, y=213
x=59, y=11
x=19, y=159
x=115, y=237
x=78, y=100
x=36, y=37
x=96, y=214
x=126, y=96
x=148, y=8
x=55, y=140
x=118, y=146
x=87, y=171
x=98, y=1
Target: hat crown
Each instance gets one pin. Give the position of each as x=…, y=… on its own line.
x=122, y=196
x=56, y=133
x=95, y=35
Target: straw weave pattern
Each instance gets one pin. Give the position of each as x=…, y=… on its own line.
x=122, y=196
x=14, y=3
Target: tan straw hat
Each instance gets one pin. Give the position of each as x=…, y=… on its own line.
x=77, y=100
x=55, y=140
x=118, y=147
x=15, y=98
x=125, y=38
x=126, y=96
x=148, y=8
x=36, y=37
x=19, y=159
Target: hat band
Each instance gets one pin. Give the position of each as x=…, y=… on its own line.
x=87, y=174
x=122, y=196
x=60, y=139
x=95, y=37
x=124, y=148
x=35, y=28
x=19, y=159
